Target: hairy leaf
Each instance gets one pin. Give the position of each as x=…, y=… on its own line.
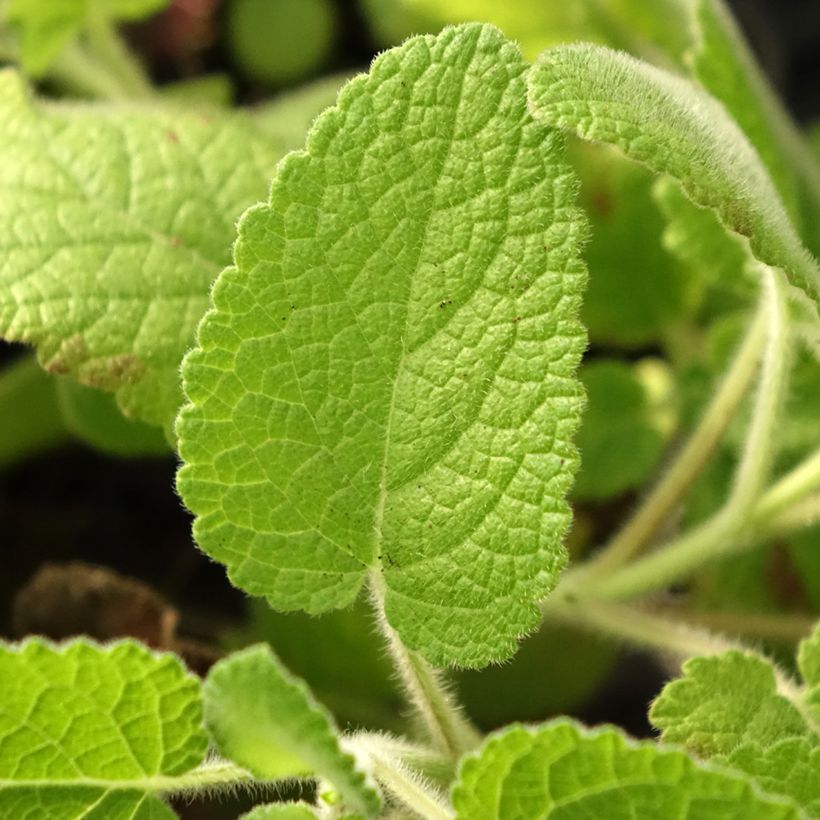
x=724, y=64
x=92, y=732
x=113, y=222
x=676, y=129
x=267, y=721
x=560, y=770
x=724, y=701
x=386, y=383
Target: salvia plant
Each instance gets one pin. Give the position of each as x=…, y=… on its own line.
x=372, y=375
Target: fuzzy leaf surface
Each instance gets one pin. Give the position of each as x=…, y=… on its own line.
x=728, y=708
x=386, y=384
x=560, y=770
x=90, y=732
x=724, y=701
x=282, y=811
x=267, y=721
x=113, y=223
x=675, y=128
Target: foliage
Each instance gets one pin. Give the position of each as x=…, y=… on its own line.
x=373, y=380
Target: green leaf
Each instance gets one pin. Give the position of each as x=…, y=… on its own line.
x=92, y=732
x=268, y=722
x=559, y=770
x=637, y=291
x=808, y=659
x=386, y=383
x=724, y=701
x=790, y=767
x=618, y=441
x=319, y=650
x=48, y=26
x=675, y=128
x=724, y=64
x=282, y=811
x=113, y=222
x=732, y=709
x=93, y=417
x=30, y=417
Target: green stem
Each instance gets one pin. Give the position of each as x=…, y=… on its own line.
x=82, y=73
x=448, y=729
x=729, y=529
x=650, y=631
x=692, y=458
x=207, y=777
x=804, y=514
x=774, y=626
x=756, y=460
x=105, y=44
x=403, y=783
x=793, y=487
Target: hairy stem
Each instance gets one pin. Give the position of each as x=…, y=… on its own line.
x=398, y=779
x=775, y=626
x=646, y=520
x=734, y=525
x=651, y=631
x=448, y=729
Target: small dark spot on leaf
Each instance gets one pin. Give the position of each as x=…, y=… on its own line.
x=172, y=136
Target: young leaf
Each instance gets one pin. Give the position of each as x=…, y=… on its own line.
x=724, y=701
x=675, y=128
x=47, y=27
x=562, y=770
x=386, y=383
x=729, y=708
x=618, y=442
x=268, y=722
x=90, y=731
x=113, y=222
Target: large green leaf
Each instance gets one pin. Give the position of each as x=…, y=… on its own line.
x=675, y=128
x=113, y=222
x=386, y=383
x=563, y=772
x=94, y=732
x=268, y=722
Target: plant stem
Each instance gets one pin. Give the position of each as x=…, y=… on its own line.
x=448, y=729
x=651, y=631
x=404, y=784
x=729, y=529
x=696, y=452
x=794, y=486
x=755, y=463
x=105, y=43
x=776, y=626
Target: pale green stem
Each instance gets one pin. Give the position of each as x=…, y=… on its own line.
x=775, y=626
x=82, y=73
x=207, y=777
x=695, y=454
x=651, y=631
x=729, y=529
x=105, y=43
x=794, y=486
x=755, y=462
x=448, y=729
x=804, y=514
x=403, y=784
